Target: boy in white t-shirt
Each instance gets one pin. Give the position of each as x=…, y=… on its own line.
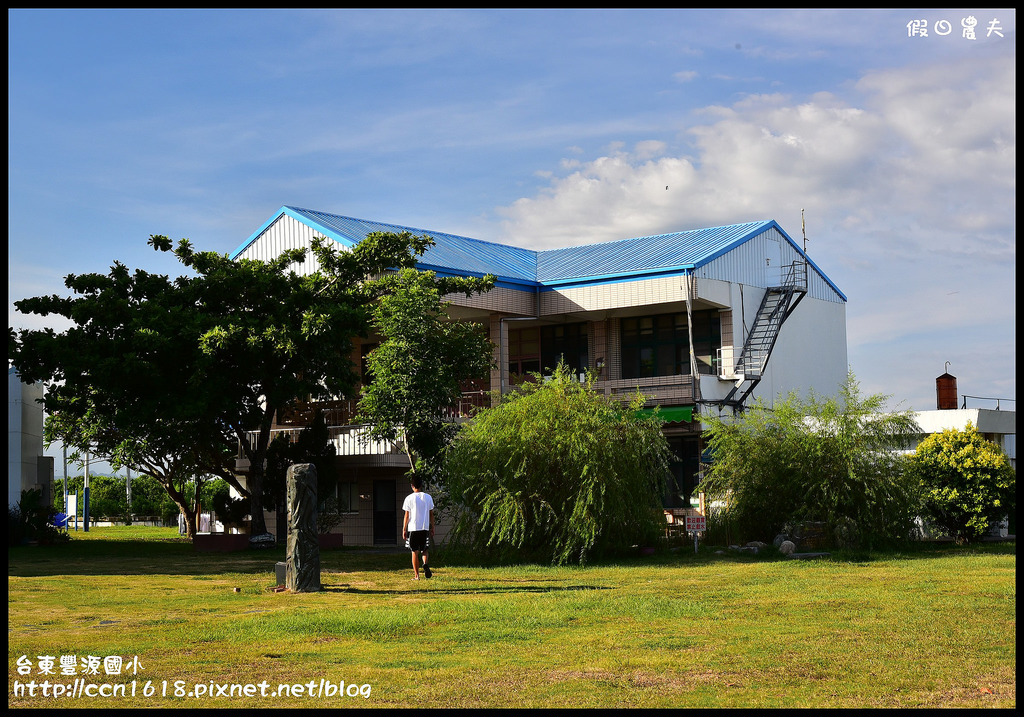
x=418, y=524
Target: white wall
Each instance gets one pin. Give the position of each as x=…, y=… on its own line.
x=810, y=353
x=285, y=233
x=24, y=435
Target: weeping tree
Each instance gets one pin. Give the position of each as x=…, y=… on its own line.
x=560, y=472
x=833, y=460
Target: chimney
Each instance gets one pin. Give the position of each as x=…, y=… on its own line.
x=945, y=392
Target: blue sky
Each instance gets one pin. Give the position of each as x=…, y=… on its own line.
x=544, y=128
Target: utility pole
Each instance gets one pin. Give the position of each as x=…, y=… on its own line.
x=85, y=494
x=128, y=490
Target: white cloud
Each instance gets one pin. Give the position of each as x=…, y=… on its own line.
x=909, y=193
x=920, y=134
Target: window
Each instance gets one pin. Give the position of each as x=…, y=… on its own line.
x=660, y=345
x=568, y=344
x=707, y=340
x=684, y=479
x=348, y=498
x=540, y=349
x=523, y=354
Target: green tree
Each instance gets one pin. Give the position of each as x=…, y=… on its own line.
x=230, y=511
x=128, y=382
x=108, y=497
x=559, y=471
x=168, y=377
x=968, y=482
x=150, y=499
x=277, y=336
x=835, y=460
x=418, y=368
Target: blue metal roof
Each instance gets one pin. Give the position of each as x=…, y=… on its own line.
x=450, y=254
x=643, y=255
x=624, y=259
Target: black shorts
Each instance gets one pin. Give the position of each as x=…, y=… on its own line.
x=418, y=539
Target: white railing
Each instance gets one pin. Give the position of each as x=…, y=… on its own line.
x=726, y=357
x=347, y=441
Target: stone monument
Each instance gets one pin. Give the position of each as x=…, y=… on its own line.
x=302, y=574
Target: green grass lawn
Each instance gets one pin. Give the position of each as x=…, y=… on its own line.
x=933, y=627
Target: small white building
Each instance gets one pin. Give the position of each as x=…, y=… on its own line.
x=999, y=427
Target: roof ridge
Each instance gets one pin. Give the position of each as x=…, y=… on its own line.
x=759, y=222
x=627, y=258
x=537, y=252
x=410, y=228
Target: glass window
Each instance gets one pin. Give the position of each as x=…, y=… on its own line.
x=566, y=343
x=523, y=354
x=684, y=481
x=660, y=345
x=348, y=497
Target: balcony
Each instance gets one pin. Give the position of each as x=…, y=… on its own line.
x=348, y=437
x=658, y=390
x=475, y=395
x=350, y=440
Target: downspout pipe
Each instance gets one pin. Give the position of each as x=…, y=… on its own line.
x=694, y=374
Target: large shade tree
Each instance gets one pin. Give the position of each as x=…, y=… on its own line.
x=128, y=381
x=168, y=376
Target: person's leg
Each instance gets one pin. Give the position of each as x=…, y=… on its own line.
x=416, y=564
x=426, y=568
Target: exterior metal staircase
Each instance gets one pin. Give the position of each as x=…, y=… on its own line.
x=776, y=306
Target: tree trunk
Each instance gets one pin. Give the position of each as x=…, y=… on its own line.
x=187, y=511
x=257, y=458
x=258, y=524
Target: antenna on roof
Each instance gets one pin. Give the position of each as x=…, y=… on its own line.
x=803, y=228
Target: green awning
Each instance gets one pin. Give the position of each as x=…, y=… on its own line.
x=672, y=414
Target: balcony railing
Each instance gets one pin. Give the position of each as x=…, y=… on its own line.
x=998, y=402
x=342, y=412
x=350, y=439
x=347, y=441
x=658, y=390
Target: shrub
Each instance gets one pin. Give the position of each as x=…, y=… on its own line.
x=834, y=460
x=32, y=519
x=229, y=511
x=968, y=482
